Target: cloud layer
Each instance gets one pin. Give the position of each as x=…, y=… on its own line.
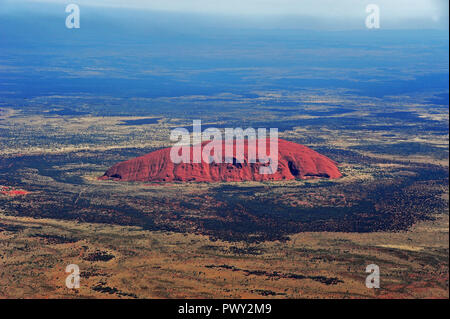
x=399, y=13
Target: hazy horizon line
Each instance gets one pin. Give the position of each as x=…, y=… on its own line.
x=433, y=15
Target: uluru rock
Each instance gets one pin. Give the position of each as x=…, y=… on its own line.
x=295, y=161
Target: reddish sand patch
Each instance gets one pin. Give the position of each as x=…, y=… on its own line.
x=13, y=192
x=295, y=161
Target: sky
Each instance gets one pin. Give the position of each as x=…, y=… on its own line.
x=339, y=14
x=201, y=47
